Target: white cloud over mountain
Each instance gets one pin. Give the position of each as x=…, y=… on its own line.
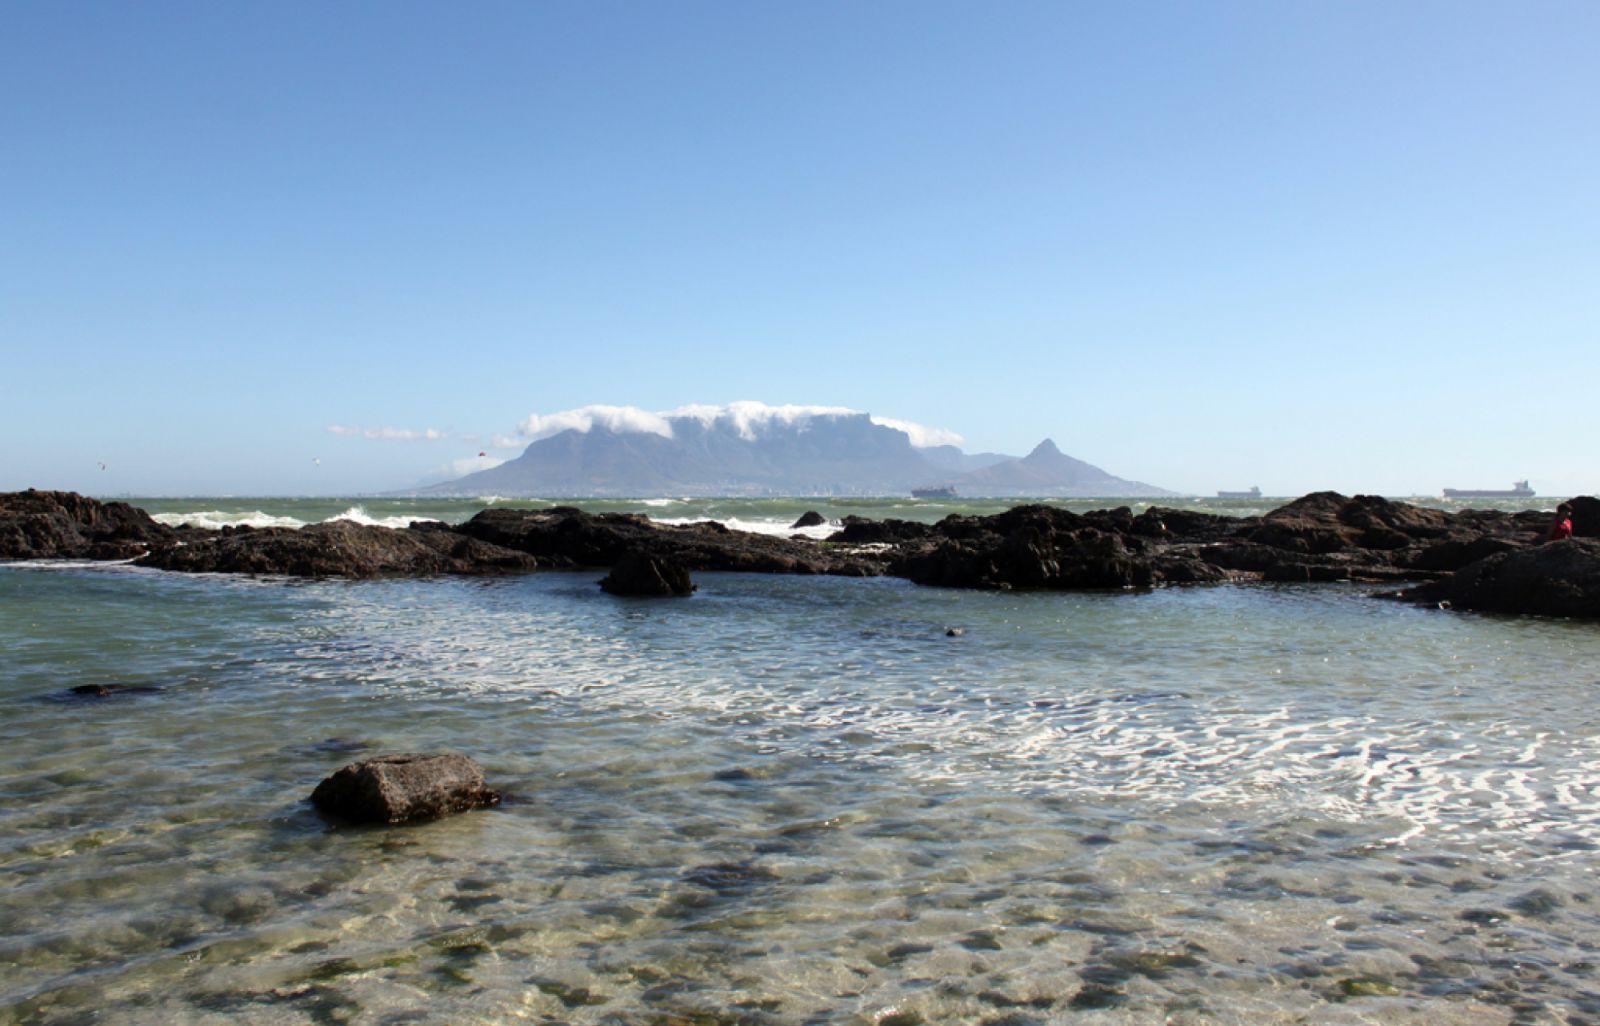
x=747, y=417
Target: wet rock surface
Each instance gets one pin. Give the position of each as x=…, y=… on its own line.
x=1559, y=578
x=565, y=536
x=338, y=548
x=66, y=525
x=643, y=575
x=404, y=789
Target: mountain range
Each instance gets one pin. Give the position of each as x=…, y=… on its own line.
x=750, y=449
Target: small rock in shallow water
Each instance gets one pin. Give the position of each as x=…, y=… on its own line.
x=810, y=518
x=108, y=690
x=404, y=788
x=954, y=632
x=1368, y=986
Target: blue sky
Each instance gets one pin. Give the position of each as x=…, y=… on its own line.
x=1342, y=245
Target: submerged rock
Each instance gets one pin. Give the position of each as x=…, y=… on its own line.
x=404, y=789
x=637, y=573
x=110, y=690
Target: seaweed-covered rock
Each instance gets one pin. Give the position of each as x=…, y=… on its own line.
x=404, y=789
x=641, y=574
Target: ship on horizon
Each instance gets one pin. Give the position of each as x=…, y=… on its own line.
x=1518, y=491
x=1253, y=493
x=934, y=492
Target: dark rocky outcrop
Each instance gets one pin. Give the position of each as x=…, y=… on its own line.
x=338, y=548
x=1560, y=578
x=1045, y=547
x=810, y=518
x=565, y=536
x=1326, y=536
x=66, y=525
x=1323, y=536
x=854, y=530
x=641, y=574
x=404, y=789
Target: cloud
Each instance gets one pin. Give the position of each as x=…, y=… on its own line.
x=620, y=419
x=747, y=417
x=921, y=437
x=390, y=434
x=468, y=465
x=458, y=469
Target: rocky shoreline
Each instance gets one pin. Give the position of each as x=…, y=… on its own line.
x=1474, y=559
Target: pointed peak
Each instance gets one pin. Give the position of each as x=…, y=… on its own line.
x=1044, y=448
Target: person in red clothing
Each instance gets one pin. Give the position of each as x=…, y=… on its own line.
x=1561, y=527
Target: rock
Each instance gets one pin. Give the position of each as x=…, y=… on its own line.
x=1046, y=547
x=66, y=525
x=954, y=632
x=109, y=690
x=568, y=537
x=638, y=573
x=854, y=530
x=810, y=518
x=404, y=789
x=1559, y=578
x=339, y=548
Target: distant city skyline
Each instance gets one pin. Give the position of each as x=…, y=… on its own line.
x=303, y=249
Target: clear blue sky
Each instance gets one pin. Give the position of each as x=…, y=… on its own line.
x=1337, y=245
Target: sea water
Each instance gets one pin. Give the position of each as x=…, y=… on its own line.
x=792, y=800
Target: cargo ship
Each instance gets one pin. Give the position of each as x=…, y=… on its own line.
x=1253, y=493
x=934, y=492
x=1520, y=491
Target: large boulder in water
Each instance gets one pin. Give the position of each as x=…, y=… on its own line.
x=1556, y=579
x=638, y=573
x=340, y=548
x=810, y=518
x=404, y=789
x=66, y=525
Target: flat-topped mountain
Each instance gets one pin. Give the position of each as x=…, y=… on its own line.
x=752, y=449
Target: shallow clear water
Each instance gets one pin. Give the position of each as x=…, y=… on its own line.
x=795, y=800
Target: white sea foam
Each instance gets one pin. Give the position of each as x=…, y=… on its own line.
x=777, y=528
x=359, y=515
x=216, y=519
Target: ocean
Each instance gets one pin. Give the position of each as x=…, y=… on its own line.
x=790, y=800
